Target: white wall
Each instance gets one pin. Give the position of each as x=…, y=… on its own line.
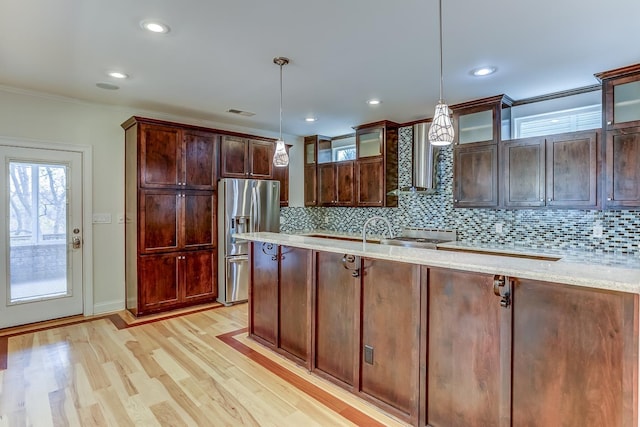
x=26, y=115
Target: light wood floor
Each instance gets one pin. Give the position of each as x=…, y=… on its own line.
x=197, y=369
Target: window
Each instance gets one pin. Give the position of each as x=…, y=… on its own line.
x=570, y=120
x=344, y=153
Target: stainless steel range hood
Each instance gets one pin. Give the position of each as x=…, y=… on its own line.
x=424, y=177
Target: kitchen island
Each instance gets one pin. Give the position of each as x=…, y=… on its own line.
x=454, y=337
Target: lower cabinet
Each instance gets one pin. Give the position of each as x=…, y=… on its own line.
x=391, y=334
x=336, y=317
x=464, y=359
x=173, y=279
x=575, y=356
x=279, y=297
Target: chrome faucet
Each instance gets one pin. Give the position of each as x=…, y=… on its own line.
x=373, y=218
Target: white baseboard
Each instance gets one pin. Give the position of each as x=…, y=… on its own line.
x=108, y=307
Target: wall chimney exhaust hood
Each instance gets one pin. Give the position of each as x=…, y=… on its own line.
x=424, y=177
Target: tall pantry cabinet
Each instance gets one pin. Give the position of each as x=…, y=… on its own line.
x=170, y=205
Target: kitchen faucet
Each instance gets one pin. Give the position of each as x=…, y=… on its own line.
x=373, y=218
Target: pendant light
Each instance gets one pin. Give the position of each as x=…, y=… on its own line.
x=441, y=131
x=280, y=157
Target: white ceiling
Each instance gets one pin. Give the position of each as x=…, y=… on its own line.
x=219, y=54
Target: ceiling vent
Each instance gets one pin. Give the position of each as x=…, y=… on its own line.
x=240, y=112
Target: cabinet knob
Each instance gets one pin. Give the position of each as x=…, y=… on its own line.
x=609, y=199
x=542, y=200
x=455, y=200
x=609, y=122
x=549, y=200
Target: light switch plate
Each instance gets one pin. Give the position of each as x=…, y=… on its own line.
x=597, y=230
x=102, y=218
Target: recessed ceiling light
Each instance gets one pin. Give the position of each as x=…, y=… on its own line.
x=155, y=26
x=483, y=71
x=310, y=119
x=107, y=86
x=117, y=75
x=374, y=102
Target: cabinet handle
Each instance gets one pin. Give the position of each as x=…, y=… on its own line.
x=267, y=249
x=501, y=288
x=351, y=259
x=609, y=122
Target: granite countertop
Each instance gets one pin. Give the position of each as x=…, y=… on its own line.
x=589, y=269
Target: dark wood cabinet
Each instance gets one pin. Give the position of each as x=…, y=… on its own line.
x=336, y=317
x=554, y=171
x=622, y=168
x=335, y=184
x=281, y=174
x=480, y=126
x=311, y=168
x=467, y=362
x=171, y=157
x=390, y=362
x=575, y=356
x=170, y=203
x=169, y=280
x=246, y=158
x=475, y=171
x=263, y=293
x=279, y=299
x=376, y=170
x=621, y=123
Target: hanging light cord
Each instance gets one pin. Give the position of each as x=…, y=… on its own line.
x=440, y=54
x=281, y=64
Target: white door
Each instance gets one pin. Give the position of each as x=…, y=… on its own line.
x=41, y=235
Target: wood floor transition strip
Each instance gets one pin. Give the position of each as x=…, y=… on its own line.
x=327, y=399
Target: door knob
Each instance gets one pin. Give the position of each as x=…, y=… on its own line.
x=76, y=242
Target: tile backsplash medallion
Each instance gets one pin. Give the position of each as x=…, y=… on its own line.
x=546, y=228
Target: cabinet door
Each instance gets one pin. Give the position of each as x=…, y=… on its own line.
x=310, y=185
x=370, y=181
x=369, y=142
x=475, y=176
x=575, y=356
x=622, y=172
x=524, y=172
x=263, y=296
x=200, y=160
x=282, y=174
x=261, y=159
x=159, y=213
x=234, y=157
x=158, y=282
x=621, y=100
x=199, y=219
x=389, y=361
x=198, y=272
x=326, y=184
x=294, y=301
x=463, y=362
x=344, y=184
x=160, y=156
x=336, y=316
x=572, y=170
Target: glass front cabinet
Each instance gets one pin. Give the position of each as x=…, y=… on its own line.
x=621, y=123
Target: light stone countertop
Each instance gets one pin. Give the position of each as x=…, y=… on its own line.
x=589, y=269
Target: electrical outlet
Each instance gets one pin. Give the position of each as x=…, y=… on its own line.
x=499, y=227
x=597, y=230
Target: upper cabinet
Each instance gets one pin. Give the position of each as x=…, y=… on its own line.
x=171, y=157
x=376, y=167
x=481, y=125
x=246, y=158
x=311, y=168
x=621, y=117
x=554, y=171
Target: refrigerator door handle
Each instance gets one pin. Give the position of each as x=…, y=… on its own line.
x=255, y=210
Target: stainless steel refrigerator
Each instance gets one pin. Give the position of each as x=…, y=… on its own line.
x=244, y=206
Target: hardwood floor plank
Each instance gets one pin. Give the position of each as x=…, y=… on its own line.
x=92, y=416
x=166, y=415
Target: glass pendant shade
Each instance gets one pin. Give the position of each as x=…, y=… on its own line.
x=441, y=131
x=280, y=157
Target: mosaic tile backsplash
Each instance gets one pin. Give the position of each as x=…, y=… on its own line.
x=558, y=229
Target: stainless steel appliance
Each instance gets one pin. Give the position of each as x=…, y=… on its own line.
x=426, y=238
x=244, y=206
